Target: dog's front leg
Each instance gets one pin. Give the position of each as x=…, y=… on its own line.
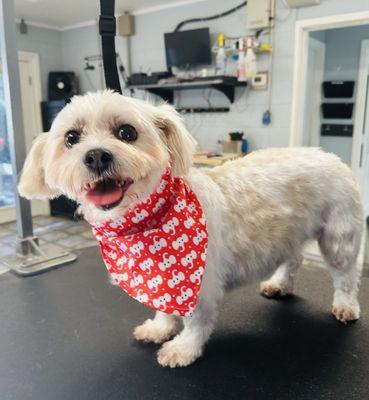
x=159, y=329
x=188, y=345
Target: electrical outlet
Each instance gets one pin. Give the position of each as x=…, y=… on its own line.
x=260, y=81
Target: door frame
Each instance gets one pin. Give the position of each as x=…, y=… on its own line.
x=33, y=60
x=315, y=100
x=358, y=147
x=38, y=207
x=302, y=30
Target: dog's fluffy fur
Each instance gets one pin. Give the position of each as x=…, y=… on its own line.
x=260, y=209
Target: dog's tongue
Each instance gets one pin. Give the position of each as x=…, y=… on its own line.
x=104, y=193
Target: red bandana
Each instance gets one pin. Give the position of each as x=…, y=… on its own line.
x=156, y=251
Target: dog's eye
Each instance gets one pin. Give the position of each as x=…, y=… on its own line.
x=71, y=138
x=127, y=133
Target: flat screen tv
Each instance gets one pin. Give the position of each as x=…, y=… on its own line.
x=188, y=48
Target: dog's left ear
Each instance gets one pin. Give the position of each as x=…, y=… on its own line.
x=180, y=143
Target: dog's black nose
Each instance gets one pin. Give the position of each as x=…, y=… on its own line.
x=98, y=160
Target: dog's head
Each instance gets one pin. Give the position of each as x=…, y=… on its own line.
x=106, y=151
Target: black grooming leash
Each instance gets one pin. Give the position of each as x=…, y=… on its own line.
x=107, y=30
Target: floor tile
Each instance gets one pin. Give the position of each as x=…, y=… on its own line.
x=53, y=226
x=85, y=244
x=88, y=234
x=52, y=248
x=5, y=250
x=4, y=232
x=51, y=236
x=71, y=241
x=9, y=239
x=78, y=228
x=9, y=226
x=45, y=221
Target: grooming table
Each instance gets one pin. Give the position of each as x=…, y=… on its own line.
x=67, y=334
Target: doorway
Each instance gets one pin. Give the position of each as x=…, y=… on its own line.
x=29, y=74
x=331, y=94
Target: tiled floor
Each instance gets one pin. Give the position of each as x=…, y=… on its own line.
x=61, y=232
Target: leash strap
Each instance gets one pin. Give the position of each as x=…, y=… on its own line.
x=107, y=30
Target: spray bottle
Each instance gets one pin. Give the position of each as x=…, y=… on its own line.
x=250, y=59
x=221, y=58
x=241, y=75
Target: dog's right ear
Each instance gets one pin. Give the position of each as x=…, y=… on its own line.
x=32, y=183
x=180, y=143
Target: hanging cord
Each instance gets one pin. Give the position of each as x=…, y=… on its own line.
x=223, y=14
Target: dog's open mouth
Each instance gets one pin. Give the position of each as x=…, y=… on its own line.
x=107, y=193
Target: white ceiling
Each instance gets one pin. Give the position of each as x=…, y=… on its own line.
x=65, y=13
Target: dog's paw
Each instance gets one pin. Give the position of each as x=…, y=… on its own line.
x=344, y=313
x=271, y=289
x=177, y=353
x=155, y=331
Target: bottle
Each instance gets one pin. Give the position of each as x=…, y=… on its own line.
x=241, y=75
x=250, y=59
x=221, y=58
x=244, y=146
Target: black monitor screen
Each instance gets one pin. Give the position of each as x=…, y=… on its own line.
x=187, y=48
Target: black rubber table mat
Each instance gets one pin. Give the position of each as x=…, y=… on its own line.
x=67, y=334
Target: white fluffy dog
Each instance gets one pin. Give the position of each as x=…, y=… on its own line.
x=260, y=209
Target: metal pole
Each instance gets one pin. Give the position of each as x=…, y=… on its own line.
x=129, y=55
x=29, y=258
x=13, y=103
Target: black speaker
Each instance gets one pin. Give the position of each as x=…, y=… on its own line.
x=62, y=85
x=63, y=207
x=49, y=110
x=60, y=206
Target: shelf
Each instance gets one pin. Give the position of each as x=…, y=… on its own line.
x=192, y=110
x=224, y=84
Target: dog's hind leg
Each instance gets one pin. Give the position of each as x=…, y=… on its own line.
x=159, y=329
x=282, y=281
x=340, y=244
